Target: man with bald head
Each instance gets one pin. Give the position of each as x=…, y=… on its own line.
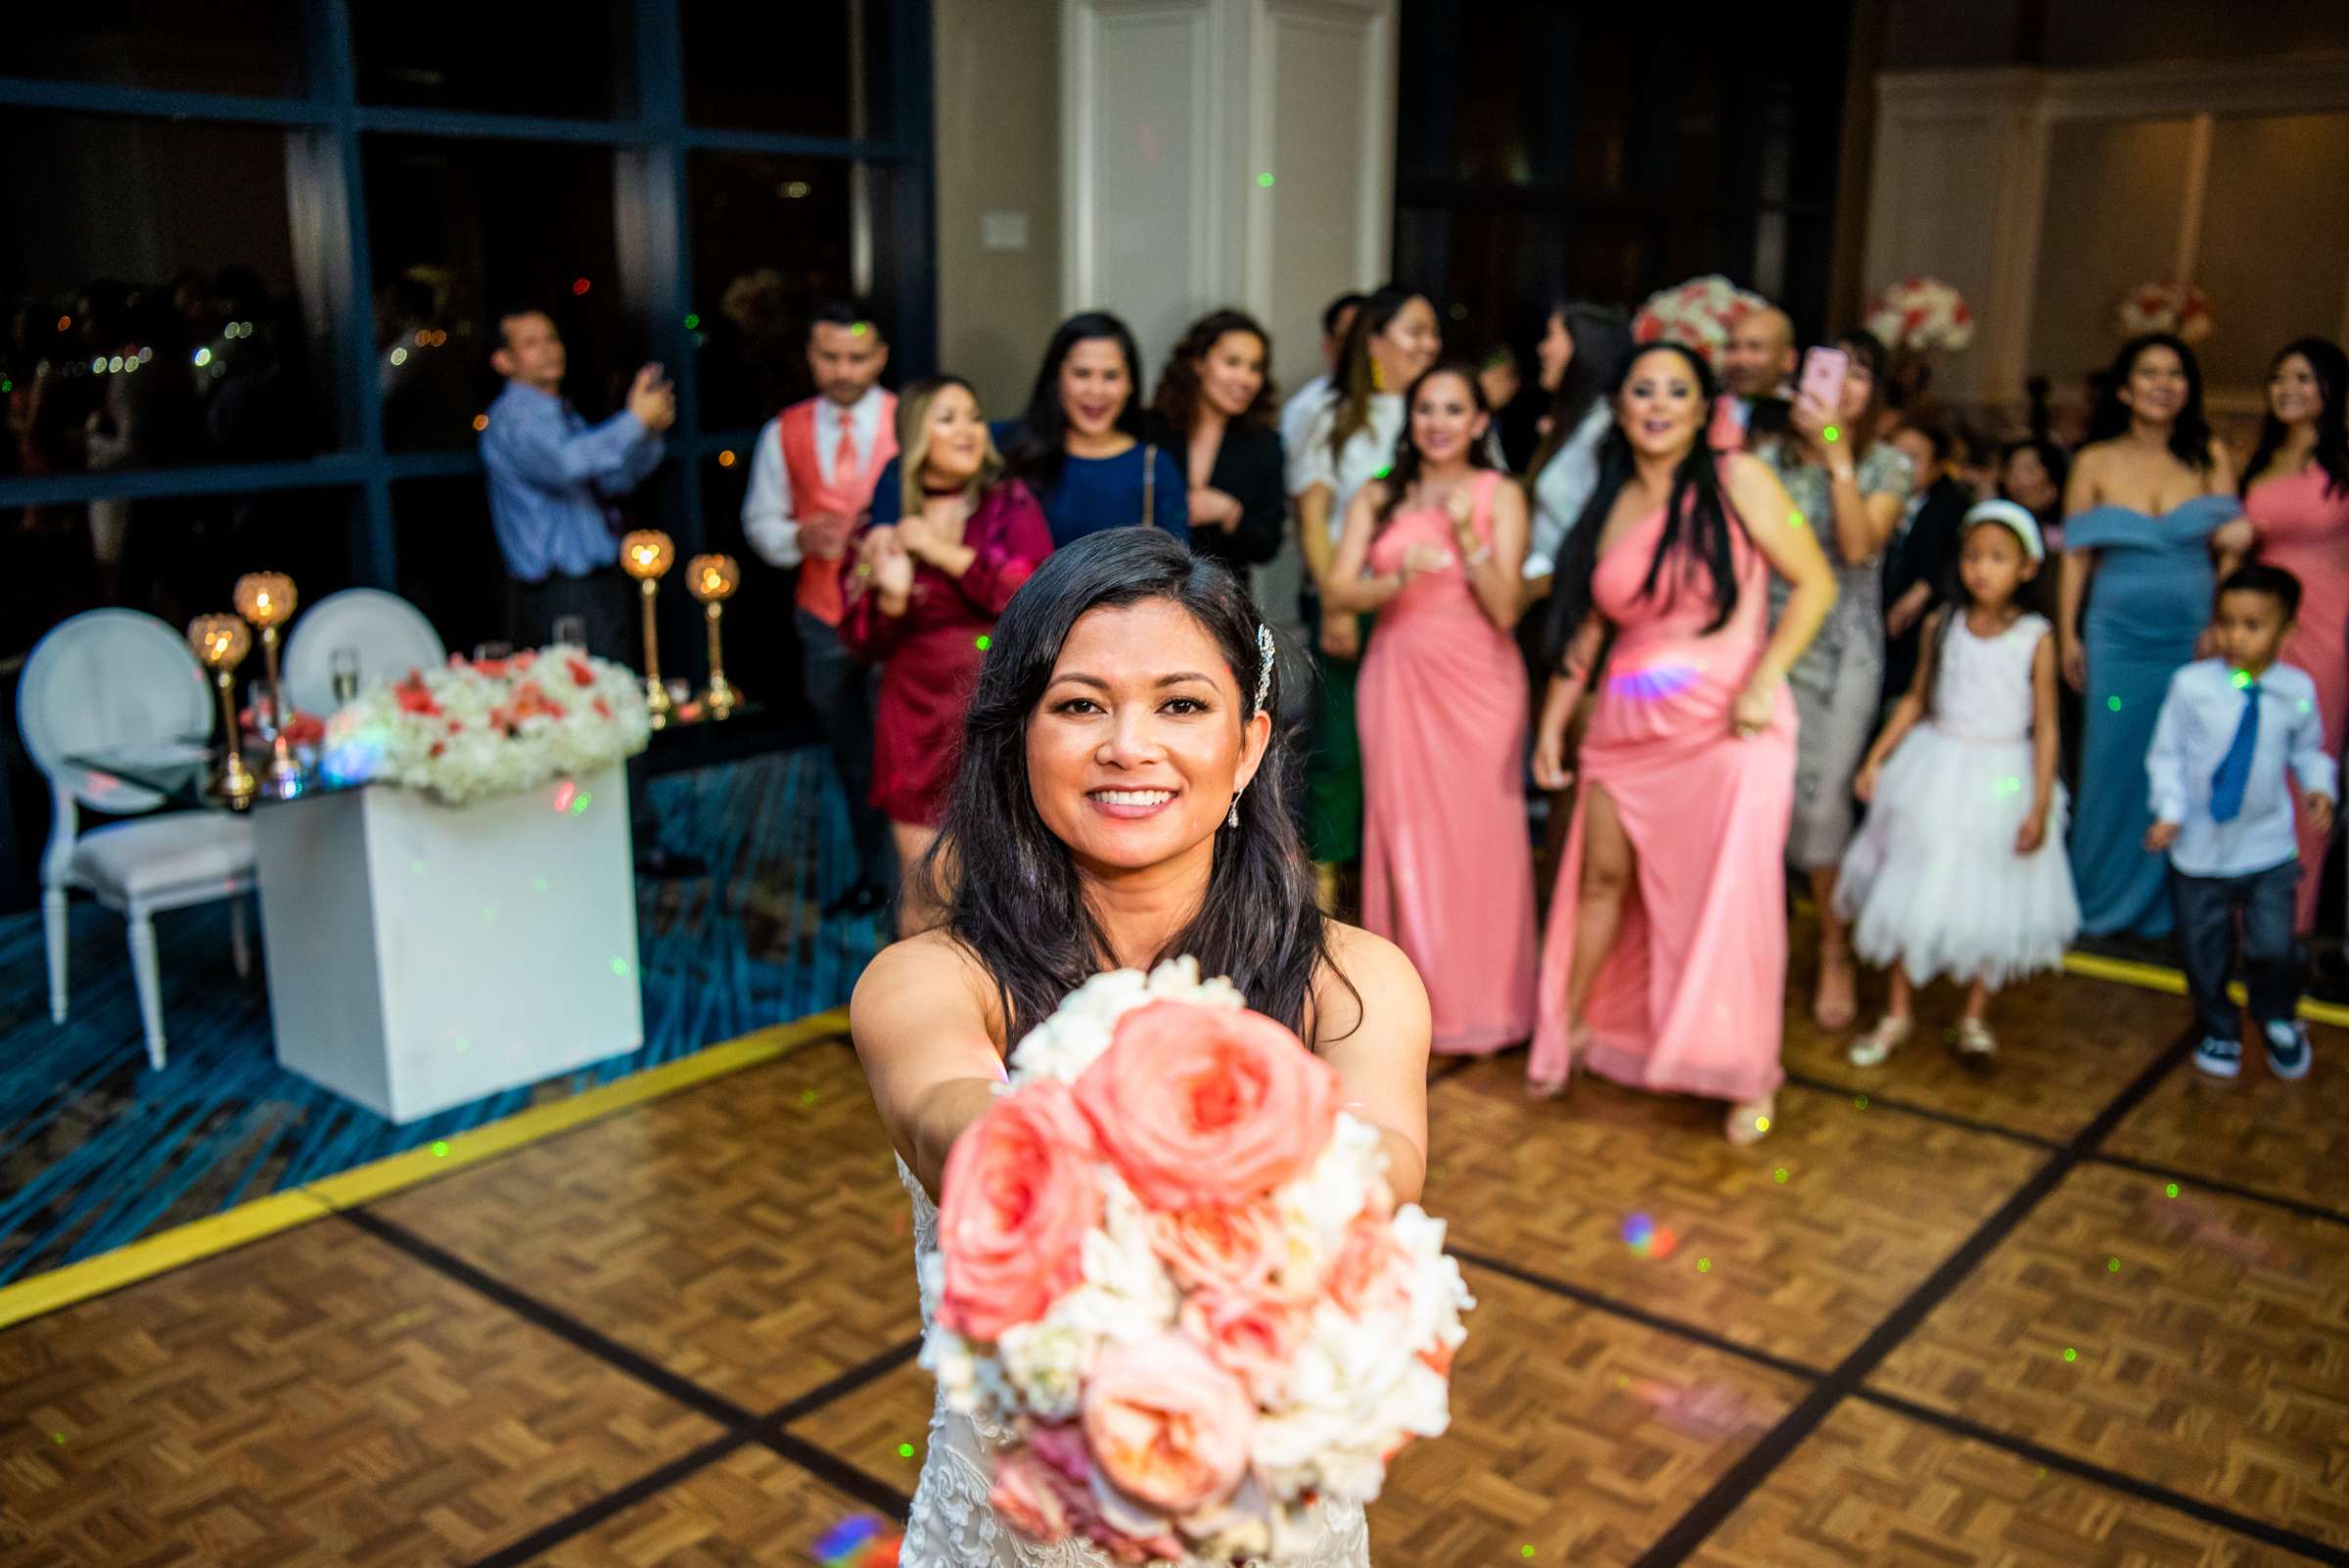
x=1756, y=363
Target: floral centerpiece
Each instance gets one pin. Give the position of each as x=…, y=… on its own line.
x=493, y=726
x=1700, y=313
x=2178, y=308
x=1918, y=314
x=1172, y=1288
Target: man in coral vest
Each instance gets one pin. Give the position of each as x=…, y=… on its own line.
x=812, y=469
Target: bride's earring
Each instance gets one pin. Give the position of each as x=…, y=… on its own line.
x=1234, y=820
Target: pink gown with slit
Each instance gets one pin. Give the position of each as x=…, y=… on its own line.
x=1690, y=998
x=2303, y=527
x=1447, y=870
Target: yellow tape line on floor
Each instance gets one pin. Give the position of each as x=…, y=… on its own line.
x=198, y=1239
x=2158, y=976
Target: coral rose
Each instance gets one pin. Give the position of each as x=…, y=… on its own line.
x=1208, y=1107
x=1254, y=1338
x=1028, y=1497
x=1020, y=1196
x=1167, y=1427
x=1371, y=1272
x=1228, y=1249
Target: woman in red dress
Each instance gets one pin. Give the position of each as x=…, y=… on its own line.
x=924, y=596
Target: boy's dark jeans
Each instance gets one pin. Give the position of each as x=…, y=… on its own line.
x=2207, y=908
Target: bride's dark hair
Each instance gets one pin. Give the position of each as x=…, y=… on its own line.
x=1008, y=885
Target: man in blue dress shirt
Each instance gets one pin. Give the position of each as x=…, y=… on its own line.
x=553, y=481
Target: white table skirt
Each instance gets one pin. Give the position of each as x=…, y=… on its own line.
x=423, y=955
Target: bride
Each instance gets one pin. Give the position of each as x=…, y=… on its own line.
x=1120, y=801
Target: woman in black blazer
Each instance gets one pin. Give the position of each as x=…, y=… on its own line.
x=1215, y=412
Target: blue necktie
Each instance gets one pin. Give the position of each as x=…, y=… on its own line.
x=2234, y=768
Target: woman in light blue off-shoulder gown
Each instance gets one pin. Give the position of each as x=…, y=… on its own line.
x=2144, y=497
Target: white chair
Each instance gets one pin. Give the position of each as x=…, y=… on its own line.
x=122, y=682
x=390, y=635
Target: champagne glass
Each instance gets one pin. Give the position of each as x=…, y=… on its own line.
x=342, y=669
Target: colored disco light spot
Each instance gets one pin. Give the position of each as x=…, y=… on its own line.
x=1264, y=182
x=1859, y=1102
x=2240, y=679
x=58, y=1438
x=2170, y=1191
x=984, y=642
x=2112, y=1265
x=2113, y=703
x=846, y=1544
x=1780, y=1176
x=1761, y=1123
x=620, y=967
x=1794, y=520
x=905, y=1451
x=2070, y=1355
x=1704, y=1265
x=1525, y=1551
x=416, y=866
x=579, y=808
x=1383, y=471
x=1831, y=434
x=440, y=1148
x=692, y=321
x=581, y=286
x=808, y=1096
x=537, y=884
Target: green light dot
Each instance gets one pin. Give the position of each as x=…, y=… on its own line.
x=807, y=1096
x=2304, y=704
x=1794, y=520
x=416, y=866
x=985, y=642
x=580, y=803
x=1859, y=1102
x=463, y=1044
x=1704, y=1265
x=2241, y=678
x=905, y=1451
x=58, y=1438
x=857, y=331
x=440, y=1148
x=1780, y=1176
x=1264, y=182
x=620, y=967
x=1830, y=434
x=2170, y=1191
x=2070, y=1355
x=2112, y=1265
x=2113, y=703
x=1382, y=473
x=539, y=884
x=1525, y=1551
x=692, y=321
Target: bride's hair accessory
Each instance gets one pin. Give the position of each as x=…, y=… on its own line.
x=1264, y=666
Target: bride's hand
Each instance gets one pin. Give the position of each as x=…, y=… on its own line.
x=1756, y=709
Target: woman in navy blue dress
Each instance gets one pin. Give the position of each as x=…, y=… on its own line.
x=1080, y=446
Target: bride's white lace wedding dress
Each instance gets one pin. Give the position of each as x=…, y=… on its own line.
x=954, y=1527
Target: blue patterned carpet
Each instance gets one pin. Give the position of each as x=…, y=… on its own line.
x=97, y=1150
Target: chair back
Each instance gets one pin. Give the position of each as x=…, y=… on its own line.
x=110, y=681
x=390, y=635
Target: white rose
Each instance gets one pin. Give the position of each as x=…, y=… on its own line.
x=1045, y=1361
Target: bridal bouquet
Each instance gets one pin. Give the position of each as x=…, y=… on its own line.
x=1172, y=1288
x=1916, y=314
x=498, y=726
x=2178, y=308
x=1700, y=313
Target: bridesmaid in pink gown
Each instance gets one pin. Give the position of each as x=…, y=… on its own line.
x=1447, y=864
x=1665, y=963
x=2296, y=502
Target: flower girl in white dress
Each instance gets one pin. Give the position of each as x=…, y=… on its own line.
x=1960, y=870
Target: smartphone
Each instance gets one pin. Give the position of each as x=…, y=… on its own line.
x=1823, y=376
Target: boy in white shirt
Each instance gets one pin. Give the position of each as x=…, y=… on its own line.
x=2229, y=729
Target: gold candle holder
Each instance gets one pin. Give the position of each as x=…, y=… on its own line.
x=221, y=643
x=647, y=555
x=267, y=599
x=713, y=579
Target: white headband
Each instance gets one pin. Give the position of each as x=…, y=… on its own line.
x=2008, y=515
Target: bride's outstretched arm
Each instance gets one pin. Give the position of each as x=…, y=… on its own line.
x=1379, y=1047
x=920, y=1023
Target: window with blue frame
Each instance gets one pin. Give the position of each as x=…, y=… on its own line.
x=252, y=254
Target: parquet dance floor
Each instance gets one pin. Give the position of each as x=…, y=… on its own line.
x=2087, y=1312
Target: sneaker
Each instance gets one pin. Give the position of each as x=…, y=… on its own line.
x=2289, y=1052
x=2220, y=1058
